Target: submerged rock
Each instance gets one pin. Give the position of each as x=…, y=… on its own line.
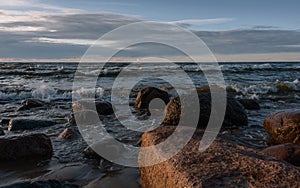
x=102, y=107
x=235, y=113
x=147, y=94
x=288, y=152
x=284, y=126
x=30, y=146
x=31, y=103
x=223, y=164
x=42, y=184
x=249, y=104
x=27, y=124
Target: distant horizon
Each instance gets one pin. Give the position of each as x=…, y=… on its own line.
x=254, y=58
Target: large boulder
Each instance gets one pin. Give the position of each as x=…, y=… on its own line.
x=147, y=94
x=223, y=164
x=284, y=126
x=288, y=152
x=235, y=113
x=31, y=146
x=31, y=103
x=102, y=107
x=27, y=124
x=42, y=184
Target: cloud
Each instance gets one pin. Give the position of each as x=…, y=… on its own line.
x=54, y=36
x=84, y=42
x=35, y=4
x=22, y=29
x=251, y=41
x=196, y=22
x=290, y=46
x=264, y=27
x=50, y=32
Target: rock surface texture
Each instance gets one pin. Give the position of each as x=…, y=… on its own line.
x=235, y=114
x=223, y=164
x=146, y=95
x=284, y=126
x=31, y=146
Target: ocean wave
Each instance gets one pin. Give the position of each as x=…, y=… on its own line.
x=88, y=93
x=258, y=90
x=14, y=96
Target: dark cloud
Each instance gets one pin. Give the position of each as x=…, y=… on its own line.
x=21, y=44
x=264, y=27
x=250, y=41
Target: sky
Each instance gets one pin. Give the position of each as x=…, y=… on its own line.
x=234, y=30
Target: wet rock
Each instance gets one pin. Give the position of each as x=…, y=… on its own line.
x=27, y=124
x=31, y=103
x=30, y=146
x=83, y=117
x=223, y=164
x=284, y=126
x=4, y=121
x=71, y=120
x=106, y=146
x=102, y=107
x=42, y=184
x=249, y=104
x=283, y=87
x=127, y=177
x=91, y=154
x=69, y=133
x=146, y=95
x=1, y=132
x=288, y=152
x=235, y=114
x=76, y=172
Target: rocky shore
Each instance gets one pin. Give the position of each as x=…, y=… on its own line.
x=58, y=156
x=226, y=163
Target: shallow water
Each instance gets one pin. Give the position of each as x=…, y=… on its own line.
x=275, y=85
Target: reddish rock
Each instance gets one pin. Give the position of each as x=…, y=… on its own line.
x=147, y=94
x=223, y=164
x=284, y=126
x=69, y=133
x=288, y=152
x=28, y=146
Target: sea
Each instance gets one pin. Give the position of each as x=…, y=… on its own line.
x=275, y=86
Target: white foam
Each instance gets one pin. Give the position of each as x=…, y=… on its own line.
x=88, y=93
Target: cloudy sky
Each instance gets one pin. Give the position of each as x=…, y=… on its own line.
x=234, y=30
